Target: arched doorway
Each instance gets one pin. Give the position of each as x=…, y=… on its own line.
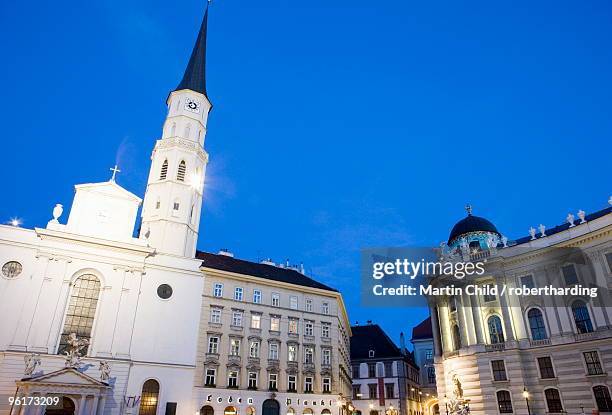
x=207, y=410
x=230, y=410
x=148, y=398
x=66, y=407
x=270, y=407
x=435, y=410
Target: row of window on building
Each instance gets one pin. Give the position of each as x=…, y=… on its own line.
x=593, y=366
x=233, y=381
x=273, y=350
x=373, y=389
x=537, y=327
x=275, y=299
x=293, y=323
x=554, y=404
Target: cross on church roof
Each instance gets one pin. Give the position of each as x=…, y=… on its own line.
x=115, y=170
x=468, y=209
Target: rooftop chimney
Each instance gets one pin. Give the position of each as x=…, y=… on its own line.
x=225, y=252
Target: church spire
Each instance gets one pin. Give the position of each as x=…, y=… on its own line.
x=195, y=74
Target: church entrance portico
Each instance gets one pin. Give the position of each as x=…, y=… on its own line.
x=78, y=394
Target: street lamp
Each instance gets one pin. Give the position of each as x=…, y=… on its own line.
x=526, y=396
x=446, y=404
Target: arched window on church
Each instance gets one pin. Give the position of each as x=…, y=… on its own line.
x=149, y=397
x=81, y=311
x=582, y=318
x=182, y=169
x=536, y=324
x=173, y=130
x=496, y=332
x=456, y=336
x=187, y=130
x=164, y=170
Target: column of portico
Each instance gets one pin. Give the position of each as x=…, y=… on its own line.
x=540, y=279
x=40, y=409
x=477, y=320
x=468, y=318
x=461, y=321
x=435, y=327
x=503, y=302
x=94, y=405
x=553, y=273
x=444, y=328
x=516, y=311
x=82, y=403
x=603, y=310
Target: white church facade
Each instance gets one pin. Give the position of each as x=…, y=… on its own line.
x=111, y=323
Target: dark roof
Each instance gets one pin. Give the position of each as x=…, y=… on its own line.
x=469, y=224
x=372, y=337
x=423, y=330
x=195, y=74
x=565, y=226
x=255, y=269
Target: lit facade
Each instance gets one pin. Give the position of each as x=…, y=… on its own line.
x=549, y=352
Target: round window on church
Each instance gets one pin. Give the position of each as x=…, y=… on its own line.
x=11, y=269
x=164, y=291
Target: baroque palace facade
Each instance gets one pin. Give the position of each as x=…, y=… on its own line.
x=108, y=323
x=545, y=354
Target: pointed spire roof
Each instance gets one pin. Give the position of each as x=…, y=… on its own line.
x=195, y=74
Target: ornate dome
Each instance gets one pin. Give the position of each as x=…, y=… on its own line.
x=471, y=224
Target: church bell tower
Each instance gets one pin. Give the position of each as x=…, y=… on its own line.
x=173, y=199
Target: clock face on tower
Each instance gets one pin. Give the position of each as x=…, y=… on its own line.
x=192, y=105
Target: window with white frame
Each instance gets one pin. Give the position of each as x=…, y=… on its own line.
x=218, y=290
x=326, y=385
x=272, y=381
x=325, y=308
x=499, y=370
x=593, y=363
x=275, y=299
x=308, y=304
x=293, y=325
x=257, y=296
x=255, y=321
x=235, y=347
x=238, y=293
x=308, y=354
x=232, y=379
x=215, y=315
x=273, y=351
x=309, y=328
x=545, y=365
x=237, y=318
x=274, y=323
x=293, y=302
x=325, y=330
x=252, y=380
x=254, y=348
x=292, y=352
x=308, y=384
x=81, y=311
x=213, y=345
x=211, y=377
x=292, y=383
x=326, y=358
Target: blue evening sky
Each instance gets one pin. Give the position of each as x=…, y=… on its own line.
x=337, y=125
